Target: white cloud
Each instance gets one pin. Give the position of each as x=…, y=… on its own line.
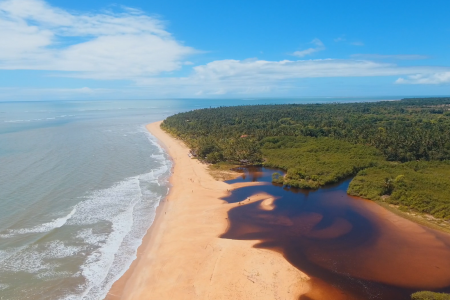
x=392, y=57
x=340, y=39
x=357, y=43
x=436, y=78
x=102, y=46
x=21, y=93
x=251, y=77
x=133, y=45
x=319, y=47
x=260, y=76
x=278, y=70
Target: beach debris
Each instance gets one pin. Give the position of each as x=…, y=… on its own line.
x=250, y=279
x=193, y=153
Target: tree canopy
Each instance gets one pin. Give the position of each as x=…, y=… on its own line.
x=406, y=130
x=398, y=150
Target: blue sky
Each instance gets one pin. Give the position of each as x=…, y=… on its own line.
x=194, y=49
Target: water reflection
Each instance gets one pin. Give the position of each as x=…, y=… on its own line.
x=352, y=248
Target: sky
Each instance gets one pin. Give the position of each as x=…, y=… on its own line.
x=136, y=49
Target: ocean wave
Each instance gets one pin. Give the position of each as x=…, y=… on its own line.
x=109, y=262
x=117, y=250
x=130, y=208
x=38, y=259
x=56, y=223
x=37, y=119
x=102, y=233
x=109, y=109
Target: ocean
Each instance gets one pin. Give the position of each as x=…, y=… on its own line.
x=79, y=185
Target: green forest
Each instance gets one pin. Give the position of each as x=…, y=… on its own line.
x=398, y=151
x=420, y=185
x=313, y=162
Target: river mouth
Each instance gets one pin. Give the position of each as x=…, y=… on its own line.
x=350, y=247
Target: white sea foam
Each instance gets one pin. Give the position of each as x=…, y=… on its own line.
x=56, y=223
x=6, y=254
x=38, y=259
x=88, y=236
x=16, y=121
x=103, y=231
x=57, y=249
x=129, y=207
x=50, y=225
x=40, y=119
x=116, y=253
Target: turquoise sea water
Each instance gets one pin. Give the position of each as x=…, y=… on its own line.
x=79, y=185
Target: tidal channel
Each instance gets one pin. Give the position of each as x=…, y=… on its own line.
x=351, y=248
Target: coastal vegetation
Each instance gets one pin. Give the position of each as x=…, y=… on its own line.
x=223, y=171
x=398, y=150
x=423, y=186
x=425, y=295
x=313, y=162
x=411, y=129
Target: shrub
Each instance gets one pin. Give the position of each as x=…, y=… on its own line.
x=277, y=178
x=422, y=186
x=214, y=157
x=425, y=295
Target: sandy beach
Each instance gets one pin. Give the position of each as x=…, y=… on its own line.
x=182, y=255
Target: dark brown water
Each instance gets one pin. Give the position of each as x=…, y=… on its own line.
x=350, y=247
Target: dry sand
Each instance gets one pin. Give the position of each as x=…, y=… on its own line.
x=182, y=256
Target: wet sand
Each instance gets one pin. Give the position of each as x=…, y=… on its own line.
x=183, y=256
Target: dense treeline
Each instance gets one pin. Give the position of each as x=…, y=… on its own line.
x=421, y=185
x=411, y=129
x=399, y=148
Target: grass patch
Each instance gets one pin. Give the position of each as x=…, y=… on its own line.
x=425, y=295
x=223, y=171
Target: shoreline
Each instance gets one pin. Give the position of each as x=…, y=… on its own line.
x=416, y=217
x=182, y=256
x=118, y=287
